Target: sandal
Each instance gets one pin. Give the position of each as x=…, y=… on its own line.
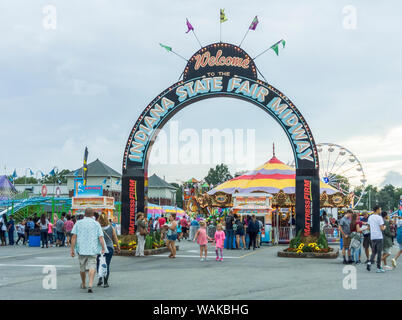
x=82, y=287
x=90, y=290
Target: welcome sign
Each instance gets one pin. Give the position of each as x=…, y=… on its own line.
x=220, y=59
x=221, y=70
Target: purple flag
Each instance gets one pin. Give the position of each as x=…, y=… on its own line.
x=254, y=23
x=189, y=26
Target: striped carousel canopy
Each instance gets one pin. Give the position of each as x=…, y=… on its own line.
x=271, y=177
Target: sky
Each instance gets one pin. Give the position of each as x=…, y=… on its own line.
x=86, y=81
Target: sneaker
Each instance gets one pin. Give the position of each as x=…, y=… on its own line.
x=369, y=266
x=387, y=268
x=217, y=258
x=393, y=263
x=90, y=290
x=221, y=259
x=345, y=262
x=366, y=262
x=202, y=259
x=358, y=262
x=380, y=270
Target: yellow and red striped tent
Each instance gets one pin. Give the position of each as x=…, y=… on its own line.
x=271, y=177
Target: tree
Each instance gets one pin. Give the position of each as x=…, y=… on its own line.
x=179, y=194
x=23, y=180
x=60, y=177
x=218, y=175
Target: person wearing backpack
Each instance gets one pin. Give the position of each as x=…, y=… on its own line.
x=399, y=240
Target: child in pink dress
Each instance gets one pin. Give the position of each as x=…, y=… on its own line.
x=202, y=239
x=219, y=241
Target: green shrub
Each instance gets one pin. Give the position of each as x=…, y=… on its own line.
x=322, y=241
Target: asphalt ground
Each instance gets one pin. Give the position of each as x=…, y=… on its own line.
x=243, y=275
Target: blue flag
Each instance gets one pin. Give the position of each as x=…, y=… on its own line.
x=76, y=173
x=52, y=173
x=118, y=181
x=104, y=181
x=31, y=172
x=14, y=174
x=42, y=174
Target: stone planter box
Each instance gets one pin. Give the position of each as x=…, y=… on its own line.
x=329, y=255
x=131, y=253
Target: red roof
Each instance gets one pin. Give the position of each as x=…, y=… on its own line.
x=275, y=160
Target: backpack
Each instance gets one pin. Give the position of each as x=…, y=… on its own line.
x=399, y=235
x=235, y=227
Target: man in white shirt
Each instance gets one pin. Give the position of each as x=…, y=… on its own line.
x=376, y=223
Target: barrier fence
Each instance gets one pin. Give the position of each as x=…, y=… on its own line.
x=332, y=234
x=283, y=234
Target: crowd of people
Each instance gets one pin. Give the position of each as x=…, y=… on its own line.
x=93, y=236
x=233, y=229
x=57, y=234
x=375, y=233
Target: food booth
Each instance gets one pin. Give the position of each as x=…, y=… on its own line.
x=98, y=204
x=258, y=204
x=91, y=196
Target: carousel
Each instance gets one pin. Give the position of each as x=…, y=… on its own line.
x=274, y=178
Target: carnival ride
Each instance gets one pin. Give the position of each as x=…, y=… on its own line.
x=274, y=177
x=342, y=170
x=17, y=207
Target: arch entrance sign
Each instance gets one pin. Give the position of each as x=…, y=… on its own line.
x=221, y=70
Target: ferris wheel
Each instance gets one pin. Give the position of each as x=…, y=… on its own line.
x=341, y=169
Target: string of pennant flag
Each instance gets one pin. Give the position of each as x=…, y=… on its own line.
x=223, y=18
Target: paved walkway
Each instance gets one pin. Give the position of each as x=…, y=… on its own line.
x=258, y=274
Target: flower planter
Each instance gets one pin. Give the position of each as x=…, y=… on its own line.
x=131, y=253
x=320, y=255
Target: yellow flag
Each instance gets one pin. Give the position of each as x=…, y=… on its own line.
x=223, y=16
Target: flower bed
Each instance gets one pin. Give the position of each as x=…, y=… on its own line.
x=152, y=241
x=153, y=244
x=131, y=253
x=309, y=247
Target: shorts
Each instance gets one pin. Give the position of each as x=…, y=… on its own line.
x=68, y=234
x=240, y=232
x=185, y=229
x=366, y=242
x=87, y=262
x=387, y=250
x=346, y=242
x=172, y=237
x=60, y=236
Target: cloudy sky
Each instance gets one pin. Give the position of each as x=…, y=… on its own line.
x=85, y=82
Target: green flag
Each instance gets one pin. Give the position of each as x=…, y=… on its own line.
x=275, y=48
x=283, y=43
x=166, y=47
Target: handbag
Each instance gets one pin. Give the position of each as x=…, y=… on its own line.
x=355, y=243
x=143, y=231
x=102, y=269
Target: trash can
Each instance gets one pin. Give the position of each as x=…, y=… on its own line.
x=34, y=241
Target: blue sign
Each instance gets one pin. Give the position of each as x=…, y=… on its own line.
x=86, y=191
